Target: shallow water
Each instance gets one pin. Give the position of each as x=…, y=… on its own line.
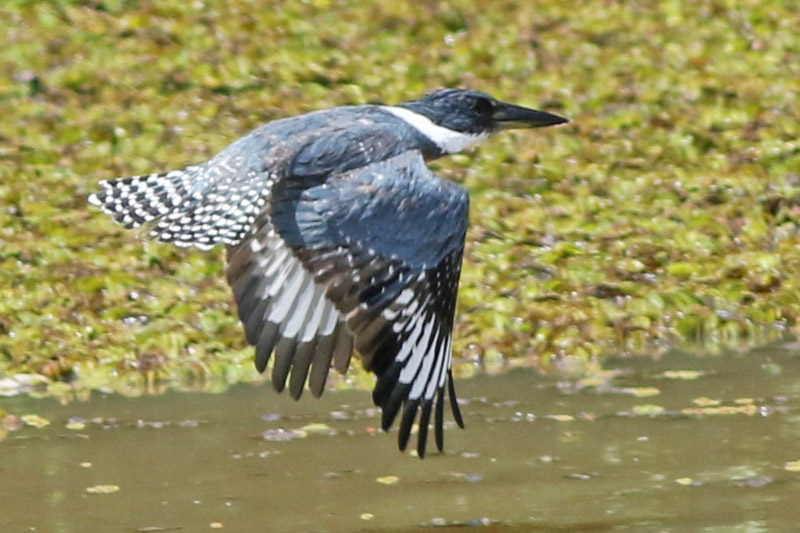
x=685, y=443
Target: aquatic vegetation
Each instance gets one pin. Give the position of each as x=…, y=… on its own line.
x=666, y=212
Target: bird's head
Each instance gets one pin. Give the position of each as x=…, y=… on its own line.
x=455, y=119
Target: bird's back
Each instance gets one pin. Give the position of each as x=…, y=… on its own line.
x=219, y=200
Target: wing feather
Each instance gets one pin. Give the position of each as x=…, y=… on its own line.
x=365, y=259
x=385, y=242
x=284, y=311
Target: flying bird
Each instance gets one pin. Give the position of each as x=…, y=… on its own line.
x=338, y=238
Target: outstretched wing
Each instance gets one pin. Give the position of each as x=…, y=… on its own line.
x=285, y=311
x=384, y=242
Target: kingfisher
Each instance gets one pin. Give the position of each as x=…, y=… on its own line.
x=339, y=238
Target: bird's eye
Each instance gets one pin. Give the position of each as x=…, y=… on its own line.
x=483, y=106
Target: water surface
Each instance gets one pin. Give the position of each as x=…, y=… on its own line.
x=684, y=443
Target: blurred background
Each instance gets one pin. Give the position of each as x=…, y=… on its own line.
x=662, y=220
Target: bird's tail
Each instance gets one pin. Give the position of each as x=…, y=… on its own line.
x=188, y=207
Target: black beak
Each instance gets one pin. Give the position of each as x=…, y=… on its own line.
x=506, y=116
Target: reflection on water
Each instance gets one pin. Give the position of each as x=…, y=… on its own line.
x=684, y=443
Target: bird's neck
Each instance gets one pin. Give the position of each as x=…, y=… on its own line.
x=449, y=141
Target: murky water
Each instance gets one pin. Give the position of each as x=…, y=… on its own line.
x=682, y=444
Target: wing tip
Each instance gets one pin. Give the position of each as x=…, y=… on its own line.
x=406, y=423
x=451, y=392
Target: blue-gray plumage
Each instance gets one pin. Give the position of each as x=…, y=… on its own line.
x=395, y=207
x=339, y=238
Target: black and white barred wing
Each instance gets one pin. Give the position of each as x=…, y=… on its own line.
x=285, y=312
x=385, y=242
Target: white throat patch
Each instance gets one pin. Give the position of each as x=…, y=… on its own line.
x=449, y=141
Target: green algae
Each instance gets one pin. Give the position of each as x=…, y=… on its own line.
x=666, y=212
